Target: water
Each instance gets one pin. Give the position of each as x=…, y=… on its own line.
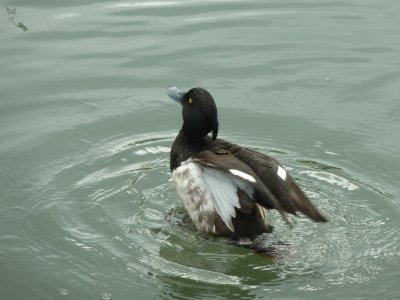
x=87, y=207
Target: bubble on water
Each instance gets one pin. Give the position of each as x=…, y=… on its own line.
x=63, y=291
x=106, y=296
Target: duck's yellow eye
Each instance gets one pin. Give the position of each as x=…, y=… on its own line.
x=190, y=101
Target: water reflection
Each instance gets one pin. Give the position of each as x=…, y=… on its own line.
x=180, y=288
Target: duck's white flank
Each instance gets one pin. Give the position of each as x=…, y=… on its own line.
x=207, y=191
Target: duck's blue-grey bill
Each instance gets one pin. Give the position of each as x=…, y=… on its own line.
x=175, y=93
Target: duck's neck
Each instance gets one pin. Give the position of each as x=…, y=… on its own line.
x=189, y=138
x=185, y=147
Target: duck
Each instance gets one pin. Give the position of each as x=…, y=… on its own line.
x=226, y=188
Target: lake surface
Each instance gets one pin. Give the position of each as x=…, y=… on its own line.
x=87, y=207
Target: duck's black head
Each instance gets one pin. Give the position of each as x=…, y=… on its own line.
x=198, y=111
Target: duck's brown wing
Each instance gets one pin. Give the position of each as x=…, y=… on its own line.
x=277, y=180
x=273, y=186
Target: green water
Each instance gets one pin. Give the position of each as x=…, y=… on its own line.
x=86, y=128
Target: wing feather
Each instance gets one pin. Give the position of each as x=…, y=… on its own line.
x=278, y=182
x=222, y=189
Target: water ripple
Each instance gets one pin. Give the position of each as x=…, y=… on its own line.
x=88, y=208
